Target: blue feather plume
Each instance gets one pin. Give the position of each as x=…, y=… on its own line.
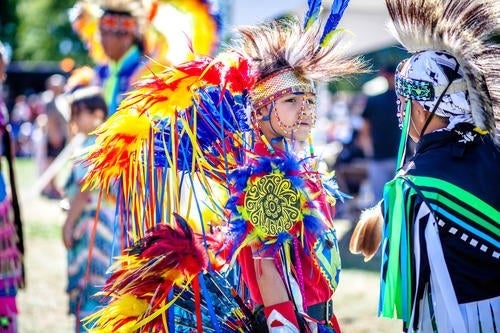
x=336, y=13
x=218, y=113
x=332, y=188
x=314, y=8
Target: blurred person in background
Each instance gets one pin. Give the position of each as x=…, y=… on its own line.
x=11, y=235
x=121, y=40
x=20, y=114
x=113, y=34
x=379, y=136
x=89, y=240
x=55, y=117
x=350, y=164
x=4, y=62
x=80, y=77
x=132, y=38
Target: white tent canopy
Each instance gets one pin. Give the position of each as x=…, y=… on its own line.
x=366, y=19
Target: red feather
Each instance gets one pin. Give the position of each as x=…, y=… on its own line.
x=168, y=253
x=166, y=256
x=177, y=243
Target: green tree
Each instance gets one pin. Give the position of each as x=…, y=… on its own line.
x=44, y=32
x=8, y=22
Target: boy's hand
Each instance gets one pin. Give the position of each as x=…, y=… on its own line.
x=67, y=234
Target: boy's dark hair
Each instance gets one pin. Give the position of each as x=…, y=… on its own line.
x=90, y=98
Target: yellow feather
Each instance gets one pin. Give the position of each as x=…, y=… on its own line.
x=126, y=306
x=119, y=142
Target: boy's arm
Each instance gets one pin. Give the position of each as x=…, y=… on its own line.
x=76, y=208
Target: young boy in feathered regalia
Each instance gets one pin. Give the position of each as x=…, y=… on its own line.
x=229, y=222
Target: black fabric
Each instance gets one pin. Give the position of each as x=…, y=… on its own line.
x=317, y=311
x=472, y=162
x=473, y=166
x=321, y=311
x=424, y=267
x=380, y=112
x=53, y=151
x=259, y=324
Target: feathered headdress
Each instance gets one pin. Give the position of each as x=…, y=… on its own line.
x=135, y=8
x=151, y=21
x=437, y=31
x=290, y=57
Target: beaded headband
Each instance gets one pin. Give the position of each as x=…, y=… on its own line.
x=421, y=90
x=279, y=84
x=418, y=90
x=111, y=22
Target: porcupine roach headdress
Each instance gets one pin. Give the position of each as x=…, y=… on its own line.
x=290, y=57
x=454, y=72
x=172, y=145
x=442, y=35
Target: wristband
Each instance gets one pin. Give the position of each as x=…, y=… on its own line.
x=281, y=316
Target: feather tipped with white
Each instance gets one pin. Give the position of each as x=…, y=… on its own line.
x=367, y=234
x=465, y=29
x=134, y=7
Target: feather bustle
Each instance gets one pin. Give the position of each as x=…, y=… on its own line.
x=142, y=278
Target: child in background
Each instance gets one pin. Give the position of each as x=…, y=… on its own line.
x=87, y=236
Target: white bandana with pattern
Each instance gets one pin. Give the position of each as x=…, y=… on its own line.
x=438, y=67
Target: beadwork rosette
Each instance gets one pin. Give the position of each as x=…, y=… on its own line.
x=271, y=204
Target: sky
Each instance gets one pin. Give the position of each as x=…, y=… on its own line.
x=366, y=19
